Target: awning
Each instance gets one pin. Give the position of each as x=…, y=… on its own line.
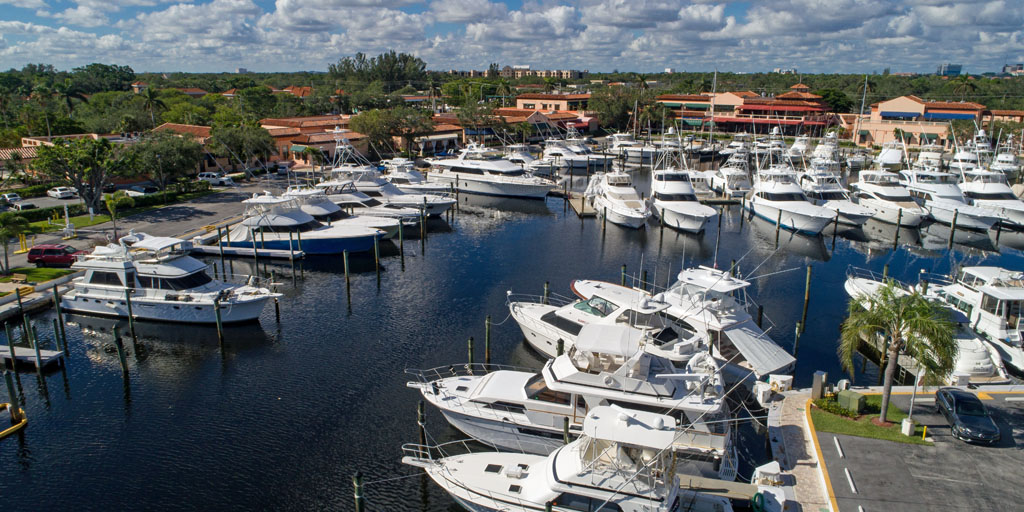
x=693, y=122
x=947, y=115
x=671, y=104
x=439, y=136
x=697, y=106
x=899, y=114
x=759, y=350
x=758, y=120
x=296, y=148
x=864, y=132
x=786, y=108
x=929, y=136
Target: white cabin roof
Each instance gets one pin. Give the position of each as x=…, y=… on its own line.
x=616, y=340
x=623, y=296
x=637, y=428
x=711, y=279
x=266, y=198
x=159, y=243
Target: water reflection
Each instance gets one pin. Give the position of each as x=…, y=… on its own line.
x=883, y=234
x=794, y=243
x=935, y=236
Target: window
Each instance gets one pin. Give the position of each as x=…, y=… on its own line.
x=597, y=306
x=828, y=196
x=990, y=305
x=106, y=278
x=676, y=176
x=175, y=284
x=508, y=173
x=52, y=252
x=493, y=468
x=789, y=196
x=506, y=406
x=990, y=195
x=674, y=197
x=562, y=323
x=537, y=389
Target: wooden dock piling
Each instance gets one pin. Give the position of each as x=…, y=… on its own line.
x=131, y=315
x=952, y=229
x=220, y=326
x=487, y=340
x=357, y=484
x=807, y=297
x=623, y=277
x=899, y=222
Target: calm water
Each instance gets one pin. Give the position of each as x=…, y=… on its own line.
x=284, y=416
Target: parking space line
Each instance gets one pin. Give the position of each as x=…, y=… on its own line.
x=1014, y=399
x=984, y=396
x=849, y=479
x=839, y=448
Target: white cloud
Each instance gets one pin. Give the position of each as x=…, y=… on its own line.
x=83, y=16
x=461, y=11
x=25, y=4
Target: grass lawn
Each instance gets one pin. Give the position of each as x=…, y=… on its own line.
x=37, y=275
x=863, y=427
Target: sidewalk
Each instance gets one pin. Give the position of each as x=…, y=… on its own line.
x=797, y=452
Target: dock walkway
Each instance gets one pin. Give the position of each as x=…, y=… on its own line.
x=26, y=355
x=793, y=447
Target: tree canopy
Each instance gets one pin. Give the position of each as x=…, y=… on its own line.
x=84, y=163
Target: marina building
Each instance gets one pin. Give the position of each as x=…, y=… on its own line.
x=794, y=111
x=544, y=102
x=920, y=121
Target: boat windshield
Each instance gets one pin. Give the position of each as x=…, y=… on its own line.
x=674, y=176
x=510, y=173
x=990, y=195
x=597, y=306
x=828, y=196
x=788, y=196
x=661, y=196
x=537, y=389
x=970, y=408
x=295, y=228
x=187, y=282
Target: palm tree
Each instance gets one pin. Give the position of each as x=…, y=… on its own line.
x=504, y=89
x=909, y=323
x=641, y=81
x=42, y=93
x=115, y=201
x=964, y=84
x=150, y=101
x=11, y=225
x=66, y=91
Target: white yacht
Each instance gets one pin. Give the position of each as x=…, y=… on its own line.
x=964, y=160
x=524, y=411
x=931, y=156
x=800, y=148
x=563, y=154
x=824, y=189
x=777, y=198
x=165, y=284
x=479, y=170
x=989, y=189
x=315, y=202
x=544, y=324
x=975, y=358
x=612, y=195
x=402, y=173
x=991, y=297
x=632, y=150
x=825, y=157
x=1006, y=160
x=345, y=194
x=939, y=194
x=881, y=191
x=521, y=155
x=272, y=222
x=739, y=145
x=674, y=201
x=772, y=148
x=712, y=304
x=623, y=461
x=733, y=177
x=891, y=156
x=368, y=180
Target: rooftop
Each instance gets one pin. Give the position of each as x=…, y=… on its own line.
x=553, y=96
x=200, y=132
x=20, y=153
x=306, y=122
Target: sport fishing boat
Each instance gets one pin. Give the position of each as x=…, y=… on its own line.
x=739, y=145
x=367, y=179
x=402, y=173
x=632, y=150
x=479, y=170
x=163, y=282
x=800, y=148
x=546, y=324
x=612, y=195
x=624, y=461
x=777, y=198
x=314, y=201
x=733, y=177
x=939, y=194
x=525, y=411
x=824, y=189
x=345, y=194
x=272, y=222
x=930, y=156
x=881, y=192
x=674, y=201
x=891, y=156
x=975, y=358
x=1006, y=160
x=574, y=157
x=991, y=298
x=989, y=189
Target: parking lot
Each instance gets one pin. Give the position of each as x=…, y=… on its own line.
x=874, y=475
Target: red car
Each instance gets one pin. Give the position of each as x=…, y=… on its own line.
x=53, y=255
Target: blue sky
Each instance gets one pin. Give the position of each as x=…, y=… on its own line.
x=598, y=35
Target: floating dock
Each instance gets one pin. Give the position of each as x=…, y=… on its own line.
x=581, y=206
x=26, y=355
x=248, y=252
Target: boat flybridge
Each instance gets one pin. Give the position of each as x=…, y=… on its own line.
x=164, y=283
x=739, y=145
x=402, y=173
x=777, y=198
x=612, y=195
x=674, y=201
x=991, y=297
x=525, y=411
x=938, y=193
x=964, y=160
x=989, y=189
x=827, y=147
x=574, y=155
x=773, y=148
x=733, y=177
x=800, y=148
x=824, y=189
x=881, y=192
x=345, y=194
x=891, y=156
x=624, y=461
x=273, y=222
x=314, y=201
x=1006, y=160
x=930, y=156
x=547, y=325
x=631, y=149
x=978, y=360
x=368, y=180
x=479, y=170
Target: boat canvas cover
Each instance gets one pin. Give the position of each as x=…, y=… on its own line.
x=615, y=340
x=159, y=243
x=638, y=428
x=764, y=356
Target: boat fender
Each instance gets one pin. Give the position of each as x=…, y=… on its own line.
x=609, y=381
x=757, y=502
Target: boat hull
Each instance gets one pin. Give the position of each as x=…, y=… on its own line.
x=162, y=310
x=312, y=245
x=790, y=220
x=490, y=188
x=683, y=221
x=506, y=435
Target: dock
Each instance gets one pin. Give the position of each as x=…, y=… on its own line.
x=581, y=206
x=26, y=355
x=248, y=252
x=723, y=488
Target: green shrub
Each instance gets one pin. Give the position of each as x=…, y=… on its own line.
x=832, y=406
x=38, y=214
x=33, y=190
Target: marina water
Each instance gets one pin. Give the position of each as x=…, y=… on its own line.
x=287, y=413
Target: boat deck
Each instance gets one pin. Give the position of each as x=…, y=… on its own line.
x=724, y=488
x=581, y=206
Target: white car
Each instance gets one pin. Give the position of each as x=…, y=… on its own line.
x=216, y=178
x=61, y=192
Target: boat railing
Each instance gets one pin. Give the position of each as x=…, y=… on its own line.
x=430, y=375
x=935, y=278
x=864, y=273
x=553, y=299
x=431, y=453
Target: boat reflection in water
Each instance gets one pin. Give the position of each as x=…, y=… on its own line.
x=1010, y=239
x=884, y=233
x=935, y=236
x=497, y=206
x=795, y=243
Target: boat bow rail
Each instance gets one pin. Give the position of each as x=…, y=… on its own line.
x=431, y=375
x=552, y=299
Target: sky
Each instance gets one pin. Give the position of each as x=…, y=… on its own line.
x=813, y=36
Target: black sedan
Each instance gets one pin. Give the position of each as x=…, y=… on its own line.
x=967, y=416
